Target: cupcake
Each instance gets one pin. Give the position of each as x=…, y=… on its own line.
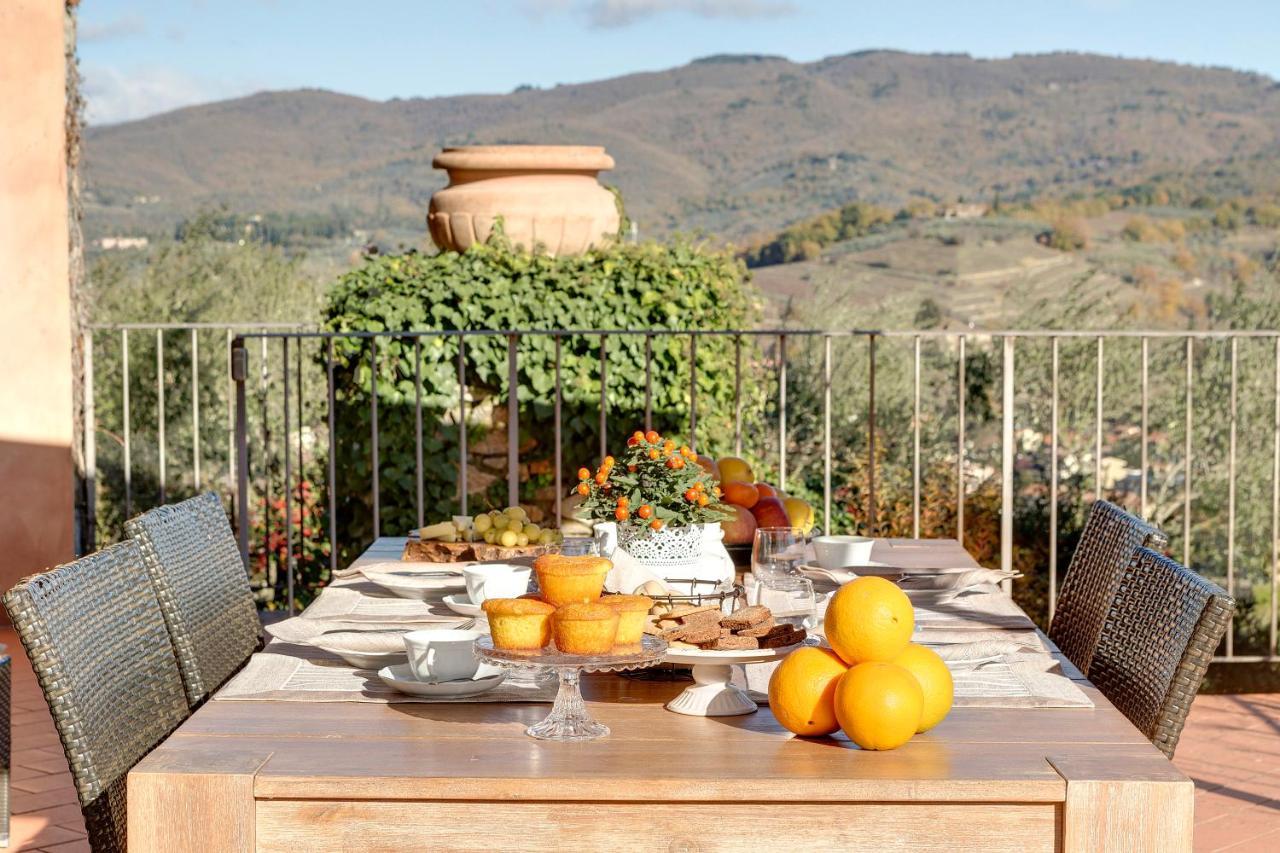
x=570, y=580
x=518, y=623
x=633, y=613
x=585, y=629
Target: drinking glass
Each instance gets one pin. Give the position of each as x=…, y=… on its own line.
x=777, y=554
x=791, y=600
x=580, y=546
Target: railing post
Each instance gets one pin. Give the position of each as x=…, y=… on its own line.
x=289, y=562
x=1053, y=480
x=1143, y=431
x=960, y=395
x=128, y=455
x=195, y=406
x=915, y=439
x=462, y=424
x=826, y=434
x=1186, y=478
x=89, y=535
x=160, y=440
x=513, y=424
x=239, y=371
x=333, y=453
x=1006, y=462
x=693, y=392
x=871, y=434
x=373, y=436
x=782, y=412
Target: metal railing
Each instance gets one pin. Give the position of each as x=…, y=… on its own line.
x=993, y=437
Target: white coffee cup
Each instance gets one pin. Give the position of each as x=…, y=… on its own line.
x=842, y=552
x=442, y=654
x=495, y=580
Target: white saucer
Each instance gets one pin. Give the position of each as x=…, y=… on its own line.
x=401, y=678
x=460, y=603
x=371, y=649
x=415, y=585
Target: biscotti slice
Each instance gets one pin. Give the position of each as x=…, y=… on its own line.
x=764, y=629
x=701, y=617
x=680, y=611
x=733, y=643
x=745, y=617
x=780, y=640
x=699, y=634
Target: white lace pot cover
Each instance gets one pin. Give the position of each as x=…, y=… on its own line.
x=671, y=554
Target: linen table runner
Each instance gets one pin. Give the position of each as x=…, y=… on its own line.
x=292, y=672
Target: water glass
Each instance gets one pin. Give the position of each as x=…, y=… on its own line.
x=777, y=554
x=580, y=546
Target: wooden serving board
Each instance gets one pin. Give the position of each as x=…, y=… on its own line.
x=417, y=551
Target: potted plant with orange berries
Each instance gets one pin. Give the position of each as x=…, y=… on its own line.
x=659, y=497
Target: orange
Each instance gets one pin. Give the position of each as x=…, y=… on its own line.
x=869, y=619
x=879, y=705
x=935, y=681
x=802, y=691
x=741, y=494
x=734, y=470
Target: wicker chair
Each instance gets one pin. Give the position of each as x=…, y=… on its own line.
x=98, y=644
x=1157, y=642
x=6, y=743
x=191, y=555
x=1110, y=538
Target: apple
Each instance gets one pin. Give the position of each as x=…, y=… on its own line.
x=771, y=512
x=767, y=491
x=800, y=513
x=734, y=470
x=741, y=529
x=709, y=465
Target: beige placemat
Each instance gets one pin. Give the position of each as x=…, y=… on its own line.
x=292, y=672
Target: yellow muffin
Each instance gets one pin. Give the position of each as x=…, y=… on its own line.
x=633, y=612
x=570, y=580
x=585, y=629
x=518, y=623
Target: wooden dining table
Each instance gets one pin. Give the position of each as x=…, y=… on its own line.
x=304, y=776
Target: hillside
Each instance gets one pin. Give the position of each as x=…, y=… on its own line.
x=733, y=145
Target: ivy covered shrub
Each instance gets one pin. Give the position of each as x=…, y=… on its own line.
x=673, y=287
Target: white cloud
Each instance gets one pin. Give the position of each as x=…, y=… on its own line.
x=620, y=13
x=121, y=27
x=112, y=95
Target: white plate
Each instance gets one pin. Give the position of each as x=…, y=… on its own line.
x=460, y=603
x=401, y=678
x=415, y=585
x=365, y=649
x=712, y=657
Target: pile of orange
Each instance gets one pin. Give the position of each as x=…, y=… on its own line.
x=873, y=683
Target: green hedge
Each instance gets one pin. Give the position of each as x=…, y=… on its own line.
x=677, y=286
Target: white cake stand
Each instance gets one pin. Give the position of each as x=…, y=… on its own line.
x=712, y=694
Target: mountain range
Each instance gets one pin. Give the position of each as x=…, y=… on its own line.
x=733, y=145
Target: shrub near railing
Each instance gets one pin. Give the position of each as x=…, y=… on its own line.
x=677, y=286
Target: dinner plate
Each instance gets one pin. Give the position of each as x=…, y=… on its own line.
x=875, y=569
x=372, y=649
x=415, y=585
x=460, y=603
x=401, y=678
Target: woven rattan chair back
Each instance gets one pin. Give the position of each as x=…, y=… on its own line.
x=98, y=644
x=191, y=555
x=1110, y=538
x=1159, y=637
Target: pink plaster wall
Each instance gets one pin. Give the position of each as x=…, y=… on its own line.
x=36, y=475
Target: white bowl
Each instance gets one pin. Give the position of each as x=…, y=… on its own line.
x=841, y=552
x=495, y=580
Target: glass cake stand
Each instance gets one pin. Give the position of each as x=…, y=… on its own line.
x=568, y=720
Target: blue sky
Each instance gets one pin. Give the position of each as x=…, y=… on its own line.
x=140, y=57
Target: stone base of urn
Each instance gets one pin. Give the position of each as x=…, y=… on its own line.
x=546, y=195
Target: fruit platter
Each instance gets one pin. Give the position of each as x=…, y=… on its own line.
x=505, y=534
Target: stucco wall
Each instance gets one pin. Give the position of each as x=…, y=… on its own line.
x=36, y=476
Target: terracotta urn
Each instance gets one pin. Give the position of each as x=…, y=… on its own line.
x=547, y=195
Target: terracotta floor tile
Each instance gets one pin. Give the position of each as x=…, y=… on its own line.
x=22, y=801
x=40, y=761
x=79, y=846
x=26, y=832
x=67, y=815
